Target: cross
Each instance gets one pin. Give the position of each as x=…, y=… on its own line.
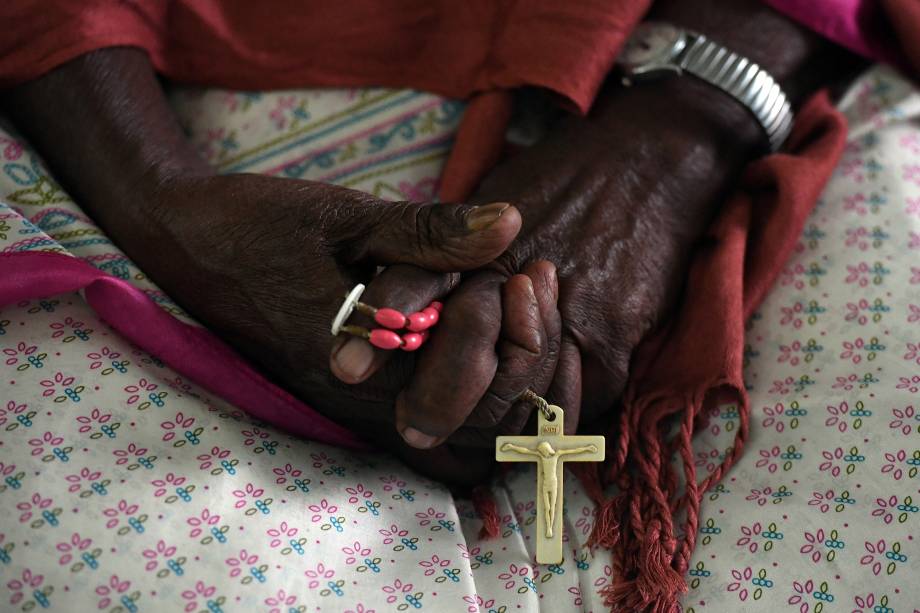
x=550, y=449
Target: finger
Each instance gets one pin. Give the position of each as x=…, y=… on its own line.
x=528, y=348
x=456, y=365
x=441, y=237
x=455, y=465
x=407, y=289
x=565, y=389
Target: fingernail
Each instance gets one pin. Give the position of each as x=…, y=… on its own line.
x=418, y=439
x=481, y=217
x=531, y=295
x=354, y=358
x=554, y=282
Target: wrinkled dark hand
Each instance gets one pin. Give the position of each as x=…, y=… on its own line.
x=266, y=262
x=616, y=201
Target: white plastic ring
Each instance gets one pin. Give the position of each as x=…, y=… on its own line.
x=347, y=308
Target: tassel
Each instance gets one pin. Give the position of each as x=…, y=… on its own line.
x=487, y=509
x=640, y=523
x=606, y=532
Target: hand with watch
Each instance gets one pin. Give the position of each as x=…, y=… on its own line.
x=657, y=48
x=617, y=199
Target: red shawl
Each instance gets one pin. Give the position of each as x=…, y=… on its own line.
x=478, y=50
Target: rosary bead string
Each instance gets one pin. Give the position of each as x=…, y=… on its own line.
x=530, y=396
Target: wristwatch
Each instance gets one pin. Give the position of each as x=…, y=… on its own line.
x=656, y=49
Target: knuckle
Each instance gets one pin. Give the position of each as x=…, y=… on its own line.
x=474, y=437
x=513, y=260
x=553, y=348
x=530, y=336
x=421, y=220
x=491, y=409
x=431, y=227
x=519, y=365
x=492, y=413
x=479, y=325
x=514, y=423
x=426, y=412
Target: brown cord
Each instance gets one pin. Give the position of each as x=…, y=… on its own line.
x=530, y=396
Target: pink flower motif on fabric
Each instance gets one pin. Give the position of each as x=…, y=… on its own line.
x=202, y=522
x=760, y=496
x=284, y=472
x=111, y=590
x=905, y=420
x=914, y=275
x=99, y=357
x=769, y=459
x=355, y=552
x=281, y=602
x=894, y=461
x=434, y=564
x=89, y=422
x=200, y=591
x=739, y=575
x=71, y=547
x=822, y=500
x=12, y=409
x=249, y=491
x=121, y=509
x=48, y=439
x=241, y=560
x=129, y=453
x=914, y=315
x=279, y=534
x=913, y=353
x=85, y=475
x=160, y=551
x=749, y=537
x=135, y=391
x=317, y=574
x=169, y=481
x=33, y=505
x=912, y=173
x=322, y=508
x=27, y=582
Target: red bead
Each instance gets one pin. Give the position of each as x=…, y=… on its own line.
x=437, y=306
x=385, y=339
x=433, y=314
x=390, y=318
x=419, y=321
x=412, y=341
x=424, y=334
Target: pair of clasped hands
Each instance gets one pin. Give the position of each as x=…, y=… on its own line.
x=567, y=255
x=551, y=292
x=569, y=252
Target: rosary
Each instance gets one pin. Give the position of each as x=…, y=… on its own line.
x=550, y=448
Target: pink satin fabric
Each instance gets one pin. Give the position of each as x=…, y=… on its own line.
x=191, y=351
x=859, y=25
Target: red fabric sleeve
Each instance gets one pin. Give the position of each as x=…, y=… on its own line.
x=451, y=48
x=38, y=36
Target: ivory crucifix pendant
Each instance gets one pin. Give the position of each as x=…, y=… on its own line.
x=550, y=449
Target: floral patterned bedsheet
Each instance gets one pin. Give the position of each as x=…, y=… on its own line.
x=128, y=488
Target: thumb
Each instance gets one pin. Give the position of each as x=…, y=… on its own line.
x=440, y=237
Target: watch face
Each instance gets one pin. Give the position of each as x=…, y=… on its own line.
x=650, y=43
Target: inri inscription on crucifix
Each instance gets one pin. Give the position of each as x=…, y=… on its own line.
x=549, y=449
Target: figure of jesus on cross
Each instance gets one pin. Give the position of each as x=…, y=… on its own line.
x=549, y=449
x=547, y=462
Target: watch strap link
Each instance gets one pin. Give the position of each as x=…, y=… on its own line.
x=747, y=82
